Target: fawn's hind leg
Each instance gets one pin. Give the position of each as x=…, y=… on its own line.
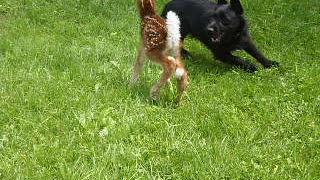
x=182, y=77
x=137, y=66
x=169, y=65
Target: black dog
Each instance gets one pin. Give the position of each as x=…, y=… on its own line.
x=221, y=27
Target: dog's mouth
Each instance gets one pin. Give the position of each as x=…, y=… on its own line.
x=216, y=37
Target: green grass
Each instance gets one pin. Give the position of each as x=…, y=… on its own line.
x=66, y=111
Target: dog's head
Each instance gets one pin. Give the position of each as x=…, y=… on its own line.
x=226, y=21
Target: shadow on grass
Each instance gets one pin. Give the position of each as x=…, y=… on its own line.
x=201, y=63
x=165, y=99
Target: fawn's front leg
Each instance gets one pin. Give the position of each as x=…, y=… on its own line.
x=137, y=66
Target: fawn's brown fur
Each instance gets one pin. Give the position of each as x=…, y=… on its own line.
x=154, y=33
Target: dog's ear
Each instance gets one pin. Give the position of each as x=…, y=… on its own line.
x=222, y=2
x=236, y=6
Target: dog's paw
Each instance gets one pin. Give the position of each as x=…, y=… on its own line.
x=271, y=64
x=185, y=54
x=275, y=64
x=251, y=68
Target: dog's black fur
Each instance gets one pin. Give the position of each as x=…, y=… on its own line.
x=220, y=26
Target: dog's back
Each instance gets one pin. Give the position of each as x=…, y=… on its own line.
x=190, y=13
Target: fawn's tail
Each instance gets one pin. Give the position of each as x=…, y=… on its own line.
x=146, y=8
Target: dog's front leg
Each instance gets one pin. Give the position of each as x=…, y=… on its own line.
x=231, y=59
x=137, y=65
x=254, y=52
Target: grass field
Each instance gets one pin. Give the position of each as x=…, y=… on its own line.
x=66, y=111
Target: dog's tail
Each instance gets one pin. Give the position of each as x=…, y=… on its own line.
x=146, y=8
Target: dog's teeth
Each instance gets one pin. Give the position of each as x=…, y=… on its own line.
x=215, y=39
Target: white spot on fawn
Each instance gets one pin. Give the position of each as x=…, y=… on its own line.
x=171, y=58
x=179, y=73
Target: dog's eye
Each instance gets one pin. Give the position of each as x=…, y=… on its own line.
x=224, y=20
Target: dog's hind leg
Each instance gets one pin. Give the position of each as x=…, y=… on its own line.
x=137, y=66
x=169, y=65
x=186, y=54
